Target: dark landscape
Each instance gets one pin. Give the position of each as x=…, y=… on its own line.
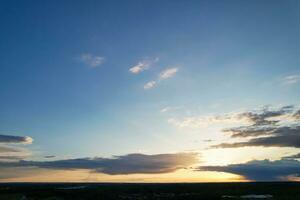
x=182, y=191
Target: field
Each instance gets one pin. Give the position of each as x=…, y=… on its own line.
x=103, y=191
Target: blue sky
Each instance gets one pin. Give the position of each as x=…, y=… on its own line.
x=66, y=80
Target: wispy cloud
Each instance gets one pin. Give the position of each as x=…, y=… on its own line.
x=91, y=60
x=143, y=65
x=170, y=108
x=168, y=73
x=126, y=164
x=165, y=109
x=165, y=74
x=149, y=85
x=204, y=121
x=266, y=127
x=260, y=170
x=292, y=79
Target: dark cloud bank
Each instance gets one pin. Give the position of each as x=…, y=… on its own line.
x=127, y=164
x=10, y=139
x=261, y=170
x=268, y=128
x=14, y=139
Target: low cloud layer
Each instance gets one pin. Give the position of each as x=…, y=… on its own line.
x=295, y=156
x=127, y=164
x=15, y=139
x=281, y=137
x=261, y=170
x=8, y=149
x=5, y=149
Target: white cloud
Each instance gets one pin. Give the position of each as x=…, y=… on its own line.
x=165, y=109
x=91, y=60
x=139, y=68
x=142, y=65
x=205, y=121
x=292, y=79
x=149, y=85
x=264, y=115
x=169, y=108
x=168, y=73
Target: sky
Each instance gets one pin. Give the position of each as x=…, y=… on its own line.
x=149, y=91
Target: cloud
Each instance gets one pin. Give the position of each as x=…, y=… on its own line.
x=296, y=156
x=12, y=153
x=292, y=79
x=260, y=170
x=165, y=109
x=169, y=109
x=143, y=65
x=11, y=157
x=127, y=164
x=268, y=128
x=4, y=149
x=91, y=60
x=296, y=115
x=149, y=85
x=264, y=116
x=50, y=156
x=290, y=140
x=204, y=121
x=253, y=119
x=15, y=139
x=168, y=73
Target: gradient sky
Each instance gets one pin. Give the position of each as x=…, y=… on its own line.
x=86, y=79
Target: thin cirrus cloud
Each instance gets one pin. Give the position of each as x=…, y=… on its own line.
x=166, y=74
x=143, y=65
x=126, y=164
x=266, y=127
x=91, y=60
x=256, y=118
x=260, y=170
x=149, y=85
x=170, y=109
x=166, y=109
x=291, y=79
x=204, y=121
